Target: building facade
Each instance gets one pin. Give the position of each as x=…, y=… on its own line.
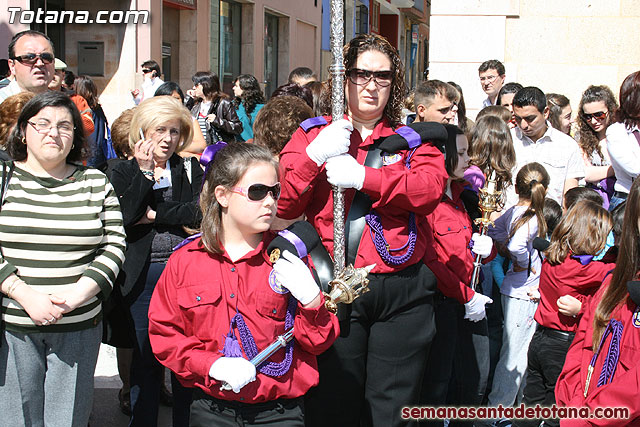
x=266, y=38
x=405, y=23
x=558, y=46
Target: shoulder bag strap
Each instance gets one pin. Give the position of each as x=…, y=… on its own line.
x=354, y=227
x=6, y=177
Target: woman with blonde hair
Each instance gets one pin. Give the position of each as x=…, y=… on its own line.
x=158, y=192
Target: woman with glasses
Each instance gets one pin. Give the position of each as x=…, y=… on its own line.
x=213, y=109
x=376, y=366
x=158, y=191
x=595, y=114
x=623, y=139
x=62, y=244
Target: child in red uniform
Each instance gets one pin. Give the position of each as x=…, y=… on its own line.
x=459, y=311
x=567, y=269
x=220, y=301
x=601, y=369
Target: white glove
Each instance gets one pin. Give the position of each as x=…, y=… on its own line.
x=482, y=245
x=235, y=371
x=345, y=171
x=333, y=140
x=474, y=310
x=293, y=274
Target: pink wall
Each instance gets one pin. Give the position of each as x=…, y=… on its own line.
x=7, y=31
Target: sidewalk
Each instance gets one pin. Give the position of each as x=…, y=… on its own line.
x=106, y=411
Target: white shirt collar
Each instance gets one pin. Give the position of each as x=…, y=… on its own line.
x=547, y=136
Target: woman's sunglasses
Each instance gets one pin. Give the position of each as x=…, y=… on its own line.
x=600, y=115
x=257, y=192
x=363, y=77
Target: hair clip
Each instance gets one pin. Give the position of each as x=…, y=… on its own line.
x=208, y=155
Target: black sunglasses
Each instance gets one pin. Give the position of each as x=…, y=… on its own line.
x=598, y=115
x=32, y=58
x=362, y=77
x=146, y=70
x=257, y=192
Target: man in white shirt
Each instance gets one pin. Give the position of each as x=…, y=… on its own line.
x=151, y=81
x=31, y=62
x=435, y=102
x=491, y=79
x=535, y=140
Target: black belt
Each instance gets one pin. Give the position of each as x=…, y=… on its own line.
x=247, y=407
x=555, y=333
x=620, y=195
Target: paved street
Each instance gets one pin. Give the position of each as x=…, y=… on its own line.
x=106, y=412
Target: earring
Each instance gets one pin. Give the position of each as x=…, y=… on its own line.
x=24, y=140
x=73, y=146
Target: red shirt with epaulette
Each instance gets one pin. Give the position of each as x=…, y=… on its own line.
x=569, y=277
x=192, y=306
x=450, y=233
x=624, y=388
x=395, y=192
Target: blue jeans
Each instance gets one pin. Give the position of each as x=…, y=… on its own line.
x=519, y=327
x=615, y=201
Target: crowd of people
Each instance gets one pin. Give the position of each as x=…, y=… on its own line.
x=153, y=234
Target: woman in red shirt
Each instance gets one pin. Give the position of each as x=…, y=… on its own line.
x=220, y=301
x=375, y=366
x=601, y=369
x=567, y=270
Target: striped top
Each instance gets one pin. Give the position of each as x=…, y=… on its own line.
x=202, y=117
x=52, y=232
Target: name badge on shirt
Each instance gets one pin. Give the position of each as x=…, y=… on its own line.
x=389, y=159
x=275, y=285
x=636, y=317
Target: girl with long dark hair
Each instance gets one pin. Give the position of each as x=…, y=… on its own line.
x=214, y=110
x=248, y=101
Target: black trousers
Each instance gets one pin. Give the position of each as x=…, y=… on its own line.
x=458, y=366
x=545, y=360
x=207, y=411
x=367, y=376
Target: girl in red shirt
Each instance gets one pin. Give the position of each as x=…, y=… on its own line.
x=601, y=369
x=220, y=301
x=459, y=311
x=567, y=269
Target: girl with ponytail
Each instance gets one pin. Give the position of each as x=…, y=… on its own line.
x=514, y=231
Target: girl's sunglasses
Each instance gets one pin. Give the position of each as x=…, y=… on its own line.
x=598, y=115
x=257, y=192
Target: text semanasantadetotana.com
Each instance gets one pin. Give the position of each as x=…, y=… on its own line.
x=518, y=412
